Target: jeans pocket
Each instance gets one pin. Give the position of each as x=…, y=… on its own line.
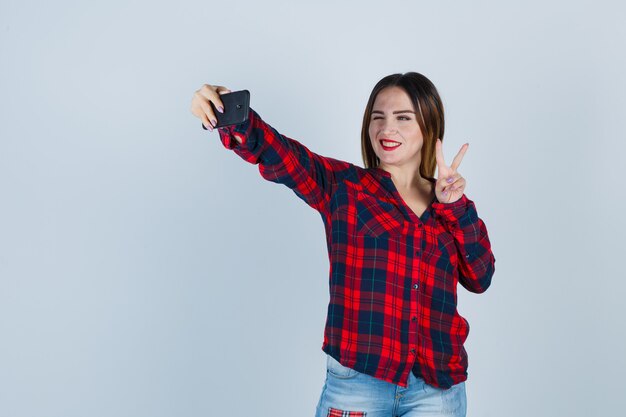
x=337, y=370
x=454, y=399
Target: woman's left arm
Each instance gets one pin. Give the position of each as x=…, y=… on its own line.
x=476, y=260
x=458, y=215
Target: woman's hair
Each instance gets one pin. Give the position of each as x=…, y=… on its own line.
x=429, y=108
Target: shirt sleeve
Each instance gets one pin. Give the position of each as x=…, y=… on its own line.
x=476, y=260
x=284, y=160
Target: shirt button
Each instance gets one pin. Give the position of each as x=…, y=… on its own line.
x=416, y=286
x=417, y=252
x=419, y=225
x=467, y=256
x=413, y=351
x=413, y=318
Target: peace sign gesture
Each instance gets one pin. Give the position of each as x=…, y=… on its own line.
x=450, y=184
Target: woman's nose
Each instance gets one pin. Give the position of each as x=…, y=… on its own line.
x=389, y=127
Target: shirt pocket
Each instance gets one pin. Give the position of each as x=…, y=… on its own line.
x=377, y=218
x=336, y=369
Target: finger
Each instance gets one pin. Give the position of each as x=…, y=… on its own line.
x=222, y=90
x=442, y=185
x=198, y=111
x=206, y=124
x=439, y=155
x=459, y=184
x=210, y=93
x=208, y=114
x=459, y=157
x=452, y=177
x=456, y=187
x=200, y=103
x=447, y=183
x=445, y=176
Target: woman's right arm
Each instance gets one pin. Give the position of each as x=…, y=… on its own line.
x=281, y=159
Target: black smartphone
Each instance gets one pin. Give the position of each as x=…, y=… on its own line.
x=236, y=107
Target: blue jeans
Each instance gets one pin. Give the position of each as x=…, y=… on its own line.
x=349, y=393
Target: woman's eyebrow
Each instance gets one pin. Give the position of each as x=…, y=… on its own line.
x=395, y=112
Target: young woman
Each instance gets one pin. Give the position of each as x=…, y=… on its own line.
x=398, y=240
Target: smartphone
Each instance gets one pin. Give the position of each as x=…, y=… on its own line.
x=236, y=107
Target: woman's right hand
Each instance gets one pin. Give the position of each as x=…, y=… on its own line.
x=201, y=108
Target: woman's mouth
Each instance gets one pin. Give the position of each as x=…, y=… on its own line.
x=389, y=145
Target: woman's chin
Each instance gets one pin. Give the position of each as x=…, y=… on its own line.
x=388, y=161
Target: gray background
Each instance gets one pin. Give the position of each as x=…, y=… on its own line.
x=147, y=271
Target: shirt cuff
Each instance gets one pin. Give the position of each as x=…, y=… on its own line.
x=242, y=130
x=452, y=212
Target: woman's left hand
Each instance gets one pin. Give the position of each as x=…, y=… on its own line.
x=450, y=184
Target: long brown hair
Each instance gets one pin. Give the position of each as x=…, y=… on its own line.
x=429, y=108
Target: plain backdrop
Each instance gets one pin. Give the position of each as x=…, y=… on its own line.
x=145, y=270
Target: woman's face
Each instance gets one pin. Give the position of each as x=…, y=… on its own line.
x=393, y=118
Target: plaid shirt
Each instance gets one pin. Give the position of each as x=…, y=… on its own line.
x=393, y=274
